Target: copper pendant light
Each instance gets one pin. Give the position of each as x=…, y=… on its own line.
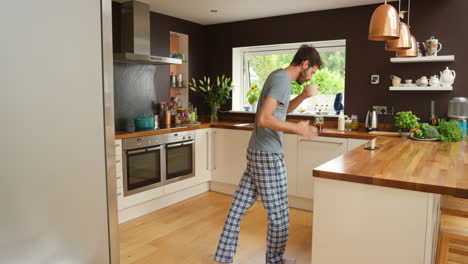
x=385, y=23
x=402, y=43
x=413, y=52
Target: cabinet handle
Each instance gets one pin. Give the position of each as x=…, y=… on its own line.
x=207, y=150
x=119, y=194
x=117, y=161
x=117, y=145
x=214, y=147
x=118, y=178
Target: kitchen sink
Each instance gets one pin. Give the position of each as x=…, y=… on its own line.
x=246, y=125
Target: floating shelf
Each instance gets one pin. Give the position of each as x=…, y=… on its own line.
x=423, y=59
x=419, y=88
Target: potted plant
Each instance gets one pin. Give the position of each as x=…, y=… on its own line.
x=406, y=121
x=253, y=95
x=214, y=93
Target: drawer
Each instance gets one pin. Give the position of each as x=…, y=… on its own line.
x=119, y=181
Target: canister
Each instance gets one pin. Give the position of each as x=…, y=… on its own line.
x=462, y=122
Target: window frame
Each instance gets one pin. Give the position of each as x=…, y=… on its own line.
x=240, y=63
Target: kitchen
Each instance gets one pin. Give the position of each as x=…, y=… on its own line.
x=210, y=53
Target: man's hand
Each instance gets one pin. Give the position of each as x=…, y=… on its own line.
x=304, y=129
x=311, y=90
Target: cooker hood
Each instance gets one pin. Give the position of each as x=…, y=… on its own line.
x=135, y=36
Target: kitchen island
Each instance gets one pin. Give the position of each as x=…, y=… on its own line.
x=383, y=206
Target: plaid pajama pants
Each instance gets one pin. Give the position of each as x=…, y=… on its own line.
x=265, y=176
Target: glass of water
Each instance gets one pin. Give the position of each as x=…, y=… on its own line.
x=319, y=122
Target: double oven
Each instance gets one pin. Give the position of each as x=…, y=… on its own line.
x=152, y=161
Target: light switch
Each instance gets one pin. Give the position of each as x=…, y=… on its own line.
x=375, y=79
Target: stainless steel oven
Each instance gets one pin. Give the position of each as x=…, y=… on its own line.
x=180, y=157
x=152, y=161
x=143, y=164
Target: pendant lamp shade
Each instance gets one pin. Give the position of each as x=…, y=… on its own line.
x=384, y=24
x=413, y=52
x=402, y=43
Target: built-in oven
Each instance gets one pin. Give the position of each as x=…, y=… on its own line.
x=180, y=157
x=152, y=161
x=144, y=163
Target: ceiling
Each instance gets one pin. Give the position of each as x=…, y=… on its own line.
x=199, y=11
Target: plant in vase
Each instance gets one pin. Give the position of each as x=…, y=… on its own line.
x=214, y=93
x=253, y=95
x=406, y=121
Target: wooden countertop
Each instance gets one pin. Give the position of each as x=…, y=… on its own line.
x=426, y=166
x=232, y=125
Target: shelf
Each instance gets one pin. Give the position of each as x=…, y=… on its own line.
x=419, y=88
x=423, y=59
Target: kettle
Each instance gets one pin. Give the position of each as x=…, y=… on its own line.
x=371, y=120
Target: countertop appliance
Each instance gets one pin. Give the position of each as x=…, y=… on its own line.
x=371, y=120
x=156, y=160
x=458, y=108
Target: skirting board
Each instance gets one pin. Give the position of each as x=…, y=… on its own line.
x=161, y=202
x=294, y=201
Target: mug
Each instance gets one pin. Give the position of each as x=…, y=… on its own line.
x=408, y=81
x=396, y=81
x=432, y=46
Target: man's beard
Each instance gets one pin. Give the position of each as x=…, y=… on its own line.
x=302, y=78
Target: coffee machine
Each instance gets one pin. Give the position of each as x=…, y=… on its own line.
x=371, y=120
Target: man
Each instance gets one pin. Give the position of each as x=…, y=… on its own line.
x=265, y=175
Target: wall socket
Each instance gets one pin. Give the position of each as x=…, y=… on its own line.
x=381, y=110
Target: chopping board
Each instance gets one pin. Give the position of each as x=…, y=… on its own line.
x=384, y=133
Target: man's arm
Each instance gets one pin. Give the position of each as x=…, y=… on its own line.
x=309, y=91
x=266, y=119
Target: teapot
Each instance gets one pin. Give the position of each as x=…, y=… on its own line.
x=434, y=81
x=447, y=77
x=432, y=46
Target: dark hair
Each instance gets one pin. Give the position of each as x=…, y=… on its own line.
x=306, y=52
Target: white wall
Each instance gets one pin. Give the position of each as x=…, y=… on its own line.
x=53, y=206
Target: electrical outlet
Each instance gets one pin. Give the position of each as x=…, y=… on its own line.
x=375, y=79
x=381, y=110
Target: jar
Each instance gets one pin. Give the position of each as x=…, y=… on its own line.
x=354, y=122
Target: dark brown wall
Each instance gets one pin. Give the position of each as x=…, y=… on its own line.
x=446, y=20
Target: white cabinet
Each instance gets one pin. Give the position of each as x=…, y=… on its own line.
x=119, y=171
x=230, y=149
x=290, y=156
x=354, y=143
x=312, y=153
x=203, y=151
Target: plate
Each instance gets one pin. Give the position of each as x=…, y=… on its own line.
x=423, y=139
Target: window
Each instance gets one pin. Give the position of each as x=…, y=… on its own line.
x=252, y=65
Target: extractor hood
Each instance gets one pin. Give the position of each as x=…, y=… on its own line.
x=135, y=36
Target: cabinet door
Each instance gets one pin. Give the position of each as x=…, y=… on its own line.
x=354, y=143
x=229, y=159
x=290, y=156
x=313, y=153
x=203, y=144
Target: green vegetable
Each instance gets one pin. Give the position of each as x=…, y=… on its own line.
x=406, y=120
x=450, y=131
x=430, y=132
x=418, y=133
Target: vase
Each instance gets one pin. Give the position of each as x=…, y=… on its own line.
x=254, y=107
x=214, y=113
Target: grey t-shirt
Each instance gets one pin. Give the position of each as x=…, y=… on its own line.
x=277, y=86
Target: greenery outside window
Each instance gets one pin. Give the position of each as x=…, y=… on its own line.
x=252, y=65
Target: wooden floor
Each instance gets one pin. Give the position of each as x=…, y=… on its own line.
x=188, y=232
